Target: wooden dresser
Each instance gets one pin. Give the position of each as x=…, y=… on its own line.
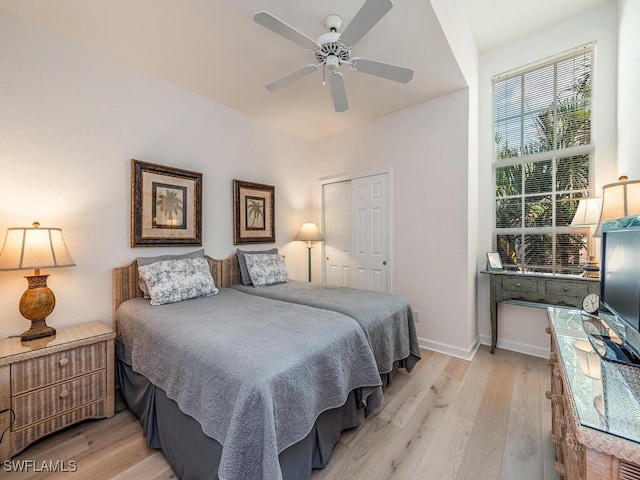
x=592, y=442
x=50, y=383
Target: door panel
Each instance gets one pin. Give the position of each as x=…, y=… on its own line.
x=370, y=233
x=337, y=233
x=356, y=221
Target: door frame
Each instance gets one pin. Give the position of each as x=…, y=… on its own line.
x=348, y=177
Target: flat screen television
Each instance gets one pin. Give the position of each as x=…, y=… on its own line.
x=620, y=270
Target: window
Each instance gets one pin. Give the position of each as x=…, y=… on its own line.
x=543, y=162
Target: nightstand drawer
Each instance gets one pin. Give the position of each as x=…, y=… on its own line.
x=567, y=288
x=51, y=401
x=26, y=436
x=43, y=371
x=520, y=284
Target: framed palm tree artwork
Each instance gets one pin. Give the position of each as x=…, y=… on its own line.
x=166, y=205
x=253, y=213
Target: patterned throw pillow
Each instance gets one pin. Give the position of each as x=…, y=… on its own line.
x=266, y=269
x=244, y=273
x=142, y=261
x=172, y=281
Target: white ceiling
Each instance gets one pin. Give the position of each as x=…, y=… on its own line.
x=214, y=48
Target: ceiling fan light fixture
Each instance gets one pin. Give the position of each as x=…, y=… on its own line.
x=332, y=63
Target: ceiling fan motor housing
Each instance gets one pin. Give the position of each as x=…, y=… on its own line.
x=330, y=44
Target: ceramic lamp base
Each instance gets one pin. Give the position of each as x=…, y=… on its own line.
x=36, y=303
x=591, y=269
x=39, y=329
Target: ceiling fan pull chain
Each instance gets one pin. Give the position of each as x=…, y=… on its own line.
x=323, y=74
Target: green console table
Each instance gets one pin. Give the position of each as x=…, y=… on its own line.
x=536, y=290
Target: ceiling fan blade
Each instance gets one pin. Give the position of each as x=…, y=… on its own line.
x=291, y=77
x=338, y=92
x=278, y=26
x=369, y=14
x=384, y=70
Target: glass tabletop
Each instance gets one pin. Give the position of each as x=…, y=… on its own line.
x=606, y=394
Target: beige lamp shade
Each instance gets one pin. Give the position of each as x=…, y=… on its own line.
x=619, y=199
x=309, y=233
x=587, y=215
x=34, y=247
x=588, y=212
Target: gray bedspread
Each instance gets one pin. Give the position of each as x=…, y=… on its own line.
x=386, y=319
x=255, y=373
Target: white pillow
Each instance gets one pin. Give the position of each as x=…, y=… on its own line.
x=266, y=269
x=171, y=281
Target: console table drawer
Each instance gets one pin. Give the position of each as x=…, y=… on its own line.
x=520, y=284
x=566, y=288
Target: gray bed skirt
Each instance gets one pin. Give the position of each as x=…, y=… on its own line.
x=194, y=455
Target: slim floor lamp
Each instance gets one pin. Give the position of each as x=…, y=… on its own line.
x=309, y=233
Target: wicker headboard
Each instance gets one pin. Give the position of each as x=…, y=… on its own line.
x=125, y=279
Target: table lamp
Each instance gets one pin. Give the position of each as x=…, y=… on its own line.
x=35, y=247
x=309, y=233
x=588, y=215
x=619, y=199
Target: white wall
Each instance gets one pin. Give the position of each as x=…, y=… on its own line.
x=628, y=92
x=520, y=327
x=71, y=119
x=457, y=28
x=426, y=149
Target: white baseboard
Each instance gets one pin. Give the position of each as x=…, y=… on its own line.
x=457, y=352
x=527, y=349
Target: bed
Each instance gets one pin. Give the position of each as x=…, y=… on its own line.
x=387, y=320
x=237, y=386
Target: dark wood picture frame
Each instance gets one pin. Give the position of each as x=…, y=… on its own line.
x=253, y=213
x=166, y=205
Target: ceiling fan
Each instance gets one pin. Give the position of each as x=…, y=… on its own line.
x=333, y=49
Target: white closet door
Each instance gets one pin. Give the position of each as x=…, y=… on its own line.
x=370, y=233
x=356, y=232
x=337, y=233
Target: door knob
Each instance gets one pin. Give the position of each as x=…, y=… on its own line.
x=384, y=262
x=327, y=259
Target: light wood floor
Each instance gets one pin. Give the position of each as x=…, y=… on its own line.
x=448, y=420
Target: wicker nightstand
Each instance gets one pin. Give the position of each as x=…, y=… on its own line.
x=54, y=382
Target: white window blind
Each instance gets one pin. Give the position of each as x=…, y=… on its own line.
x=543, y=161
